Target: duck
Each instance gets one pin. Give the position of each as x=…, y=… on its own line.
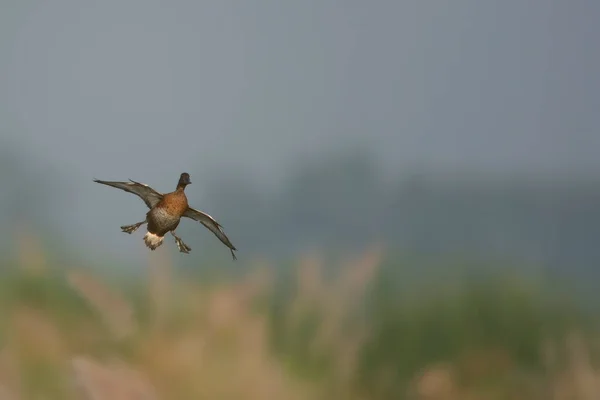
x=166, y=211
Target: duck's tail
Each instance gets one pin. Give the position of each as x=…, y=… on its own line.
x=152, y=240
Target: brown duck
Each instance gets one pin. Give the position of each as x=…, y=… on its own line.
x=165, y=213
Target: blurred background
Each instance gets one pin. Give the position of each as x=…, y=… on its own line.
x=413, y=188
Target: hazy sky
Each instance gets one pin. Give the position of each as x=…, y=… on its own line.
x=119, y=89
x=251, y=84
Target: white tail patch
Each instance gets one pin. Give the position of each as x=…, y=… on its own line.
x=152, y=240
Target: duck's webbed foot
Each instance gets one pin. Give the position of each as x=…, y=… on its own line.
x=132, y=228
x=184, y=248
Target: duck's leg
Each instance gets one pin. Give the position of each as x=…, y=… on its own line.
x=132, y=228
x=184, y=248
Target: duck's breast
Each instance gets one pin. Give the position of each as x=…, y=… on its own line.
x=161, y=220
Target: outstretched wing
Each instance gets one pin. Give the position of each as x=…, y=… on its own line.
x=150, y=196
x=212, y=225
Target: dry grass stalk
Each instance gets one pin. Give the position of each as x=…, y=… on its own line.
x=6, y=394
x=309, y=273
x=226, y=357
x=259, y=281
x=35, y=335
x=337, y=306
x=437, y=382
x=9, y=375
x=116, y=312
x=115, y=382
x=586, y=384
x=160, y=284
x=359, y=273
x=225, y=309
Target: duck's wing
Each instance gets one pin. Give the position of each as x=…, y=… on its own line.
x=150, y=196
x=212, y=225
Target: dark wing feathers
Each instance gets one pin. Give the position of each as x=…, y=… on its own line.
x=212, y=225
x=150, y=196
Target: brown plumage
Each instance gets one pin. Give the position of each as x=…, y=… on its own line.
x=165, y=213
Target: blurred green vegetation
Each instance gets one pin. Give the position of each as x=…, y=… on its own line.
x=399, y=318
x=445, y=312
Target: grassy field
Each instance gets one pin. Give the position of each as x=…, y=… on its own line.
x=364, y=328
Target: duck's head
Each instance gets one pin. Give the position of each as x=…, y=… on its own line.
x=184, y=180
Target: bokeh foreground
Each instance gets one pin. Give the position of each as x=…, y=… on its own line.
x=365, y=328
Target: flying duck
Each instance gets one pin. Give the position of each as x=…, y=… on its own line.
x=165, y=213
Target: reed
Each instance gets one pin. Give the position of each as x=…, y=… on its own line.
x=351, y=333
